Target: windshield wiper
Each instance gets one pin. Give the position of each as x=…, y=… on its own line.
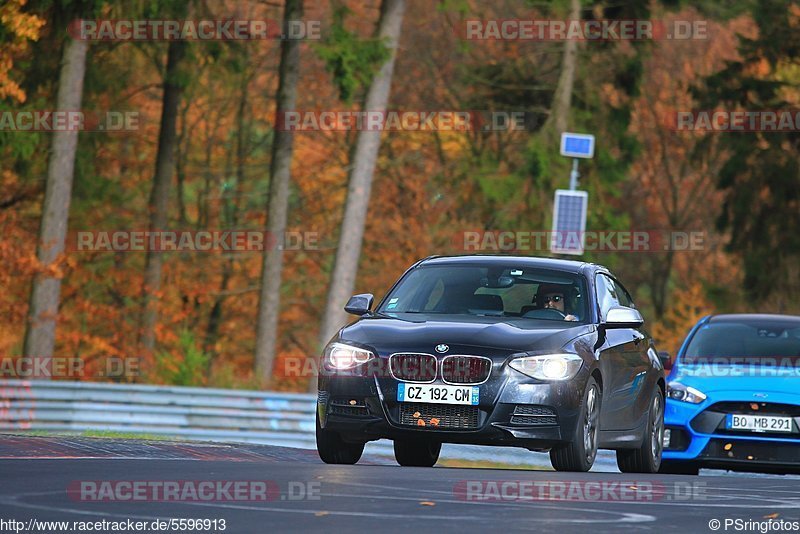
x=425, y=312
x=382, y=315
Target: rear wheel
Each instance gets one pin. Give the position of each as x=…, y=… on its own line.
x=647, y=458
x=671, y=467
x=579, y=455
x=332, y=449
x=417, y=452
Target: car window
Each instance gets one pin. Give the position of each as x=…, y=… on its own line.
x=606, y=294
x=435, y=295
x=514, y=298
x=622, y=295
x=496, y=290
x=732, y=343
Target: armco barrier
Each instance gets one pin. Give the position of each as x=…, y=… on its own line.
x=270, y=418
x=180, y=412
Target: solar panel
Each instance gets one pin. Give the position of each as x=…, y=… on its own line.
x=575, y=145
x=569, y=222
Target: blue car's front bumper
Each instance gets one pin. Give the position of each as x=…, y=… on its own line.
x=698, y=434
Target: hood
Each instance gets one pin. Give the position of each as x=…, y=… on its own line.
x=388, y=335
x=738, y=378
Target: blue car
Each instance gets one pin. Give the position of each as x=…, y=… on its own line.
x=733, y=396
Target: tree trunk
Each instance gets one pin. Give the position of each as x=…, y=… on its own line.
x=159, y=195
x=562, y=98
x=40, y=332
x=280, y=176
x=361, y=170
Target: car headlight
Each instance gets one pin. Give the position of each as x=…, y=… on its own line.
x=344, y=356
x=680, y=392
x=548, y=366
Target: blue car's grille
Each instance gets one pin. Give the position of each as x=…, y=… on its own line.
x=712, y=420
x=752, y=452
x=756, y=408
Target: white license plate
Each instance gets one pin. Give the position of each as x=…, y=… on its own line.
x=758, y=423
x=438, y=394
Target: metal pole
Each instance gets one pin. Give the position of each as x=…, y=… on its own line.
x=573, y=176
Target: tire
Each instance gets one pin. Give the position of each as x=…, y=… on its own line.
x=672, y=467
x=647, y=458
x=417, y=452
x=332, y=449
x=579, y=454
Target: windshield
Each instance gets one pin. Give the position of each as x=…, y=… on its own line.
x=740, y=343
x=494, y=291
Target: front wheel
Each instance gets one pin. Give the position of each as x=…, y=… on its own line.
x=417, y=452
x=332, y=449
x=647, y=458
x=579, y=455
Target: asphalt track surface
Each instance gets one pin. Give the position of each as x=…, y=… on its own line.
x=375, y=495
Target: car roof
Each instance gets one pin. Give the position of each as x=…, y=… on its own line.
x=760, y=318
x=527, y=261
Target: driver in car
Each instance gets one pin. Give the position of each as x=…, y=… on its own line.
x=552, y=296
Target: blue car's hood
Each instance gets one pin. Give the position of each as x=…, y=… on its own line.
x=749, y=379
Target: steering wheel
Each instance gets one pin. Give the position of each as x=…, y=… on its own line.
x=545, y=313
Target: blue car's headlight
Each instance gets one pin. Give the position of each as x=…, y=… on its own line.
x=680, y=392
x=548, y=366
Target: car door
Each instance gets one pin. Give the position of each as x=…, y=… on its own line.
x=619, y=357
x=638, y=360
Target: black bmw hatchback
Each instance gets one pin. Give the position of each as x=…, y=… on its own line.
x=538, y=353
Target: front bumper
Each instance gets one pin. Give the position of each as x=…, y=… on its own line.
x=698, y=436
x=513, y=410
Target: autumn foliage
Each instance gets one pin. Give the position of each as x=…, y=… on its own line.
x=428, y=186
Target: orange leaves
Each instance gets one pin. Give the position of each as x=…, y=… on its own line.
x=687, y=307
x=23, y=27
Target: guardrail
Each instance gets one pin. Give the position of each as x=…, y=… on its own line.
x=269, y=418
x=285, y=419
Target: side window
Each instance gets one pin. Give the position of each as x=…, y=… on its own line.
x=623, y=295
x=606, y=294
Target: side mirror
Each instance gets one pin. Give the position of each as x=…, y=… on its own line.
x=666, y=360
x=359, y=304
x=623, y=317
